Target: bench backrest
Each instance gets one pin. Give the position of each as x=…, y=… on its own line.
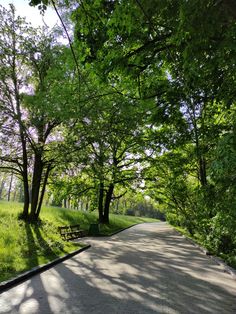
x=68, y=228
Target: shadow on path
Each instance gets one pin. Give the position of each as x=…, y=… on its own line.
x=146, y=269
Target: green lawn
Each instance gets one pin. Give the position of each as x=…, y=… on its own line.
x=24, y=246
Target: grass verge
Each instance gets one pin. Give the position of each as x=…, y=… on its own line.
x=24, y=246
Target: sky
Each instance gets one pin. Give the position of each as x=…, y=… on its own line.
x=32, y=14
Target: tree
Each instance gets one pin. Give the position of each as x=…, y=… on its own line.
x=106, y=144
x=13, y=61
x=29, y=104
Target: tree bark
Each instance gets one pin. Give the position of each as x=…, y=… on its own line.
x=36, y=181
x=107, y=203
x=100, y=202
x=43, y=191
x=1, y=188
x=202, y=171
x=64, y=203
x=201, y=160
x=25, y=213
x=26, y=197
x=25, y=178
x=9, y=189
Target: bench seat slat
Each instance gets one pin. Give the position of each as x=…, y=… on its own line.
x=71, y=232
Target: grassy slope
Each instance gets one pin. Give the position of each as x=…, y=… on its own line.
x=24, y=246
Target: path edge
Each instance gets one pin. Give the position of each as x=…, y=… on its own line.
x=5, y=285
x=228, y=269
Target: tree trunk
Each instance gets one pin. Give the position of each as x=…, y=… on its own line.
x=201, y=162
x=25, y=213
x=43, y=191
x=36, y=181
x=202, y=171
x=9, y=189
x=1, y=188
x=64, y=203
x=87, y=205
x=107, y=203
x=100, y=202
x=26, y=198
x=199, y=151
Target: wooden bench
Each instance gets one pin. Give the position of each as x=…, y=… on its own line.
x=71, y=232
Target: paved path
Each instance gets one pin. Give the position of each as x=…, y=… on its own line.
x=146, y=269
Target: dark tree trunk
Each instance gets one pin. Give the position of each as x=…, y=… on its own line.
x=199, y=150
x=9, y=189
x=201, y=163
x=1, y=188
x=25, y=213
x=100, y=202
x=43, y=191
x=64, y=203
x=36, y=181
x=107, y=203
x=26, y=198
x=202, y=171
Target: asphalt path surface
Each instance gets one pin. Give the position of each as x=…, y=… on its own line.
x=148, y=268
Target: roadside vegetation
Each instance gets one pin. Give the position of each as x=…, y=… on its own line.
x=24, y=246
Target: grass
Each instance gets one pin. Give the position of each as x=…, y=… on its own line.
x=24, y=246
